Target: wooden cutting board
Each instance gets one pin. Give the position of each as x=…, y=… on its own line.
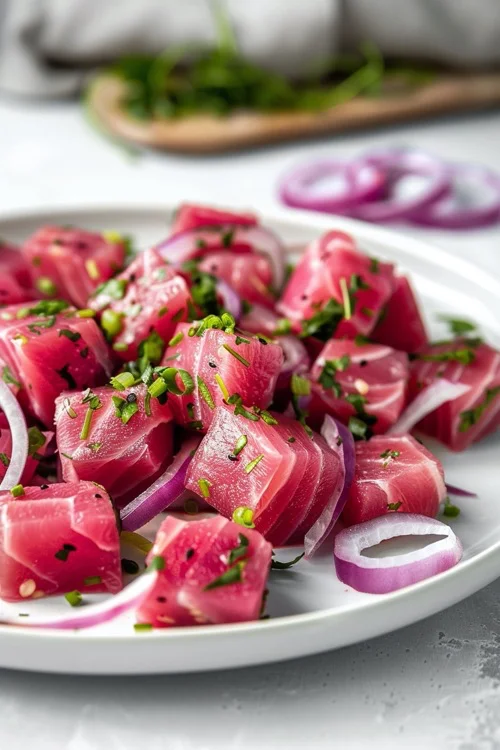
x=205, y=134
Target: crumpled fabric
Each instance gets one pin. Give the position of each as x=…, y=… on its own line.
x=49, y=47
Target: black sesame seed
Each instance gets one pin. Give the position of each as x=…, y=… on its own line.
x=231, y=457
x=131, y=398
x=132, y=277
x=189, y=554
x=161, y=599
x=363, y=363
x=44, y=486
x=129, y=566
x=99, y=497
x=69, y=547
x=303, y=296
x=262, y=341
x=212, y=364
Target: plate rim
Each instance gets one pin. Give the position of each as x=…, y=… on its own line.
x=482, y=562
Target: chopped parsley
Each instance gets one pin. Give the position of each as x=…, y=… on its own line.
x=4, y=459
x=450, y=510
x=465, y=356
x=8, y=377
x=361, y=424
x=394, y=506
x=277, y=565
x=240, y=551
x=114, y=288
x=387, y=456
x=459, y=327
x=374, y=265
x=327, y=376
x=124, y=410
x=44, y=323
x=36, y=440
x=470, y=417
x=65, y=374
x=71, y=335
x=240, y=409
x=283, y=327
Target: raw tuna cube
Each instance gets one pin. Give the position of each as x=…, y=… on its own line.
x=221, y=364
x=192, y=216
x=71, y=263
x=262, y=466
x=394, y=474
x=112, y=440
x=11, y=292
x=400, y=324
x=13, y=264
x=215, y=571
x=249, y=274
x=48, y=348
x=474, y=415
x=148, y=296
x=259, y=319
x=58, y=538
x=353, y=379
x=335, y=290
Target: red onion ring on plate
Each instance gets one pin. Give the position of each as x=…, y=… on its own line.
x=164, y=491
x=340, y=440
x=364, y=183
x=380, y=575
x=459, y=491
x=397, y=164
x=195, y=243
x=17, y=425
x=450, y=212
x=427, y=401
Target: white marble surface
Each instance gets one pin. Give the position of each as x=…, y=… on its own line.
x=435, y=684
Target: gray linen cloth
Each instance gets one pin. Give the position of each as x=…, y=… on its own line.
x=47, y=47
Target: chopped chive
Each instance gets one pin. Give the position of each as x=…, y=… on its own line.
x=243, y=516
x=4, y=459
x=240, y=444
x=157, y=563
x=346, y=299
x=283, y=326
x=374, y=265
x=236, y=355
x=46, y=286
x=239, y=340
x=277, y=565
x=140, y=627
x=394, y=506
x=147, y=404
x=111, y=322
x=157, y=388
x=20, y=337
x=222, y=386
x=268, y=418
x=17, y=490
x=231, y=575
x=120, y=346
x=69, y=409
x=66, y=455
x=92, y=269
x=162, y=311
x=74, y=598
x=176, y=339
x=122, y=380
x=205, y=393
x=251, y=466
x=240, y=551
x=92, y=581
x=114, y=288
x=85, y=313
x=204, y=486
x=86, y=424
x=123, y=409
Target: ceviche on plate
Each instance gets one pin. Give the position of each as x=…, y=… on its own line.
x=243, y=404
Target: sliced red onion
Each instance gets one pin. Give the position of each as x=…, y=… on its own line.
x=427, y=401
x=459, y=211
x=340, y=440
x=196, y=242
x=298, y=187
x=17, y=425
x=399, y=163
x=130, y=598
x=380, y=575
x=230, y=299
x=296, y=359
x=163, y=492
x=458, y=491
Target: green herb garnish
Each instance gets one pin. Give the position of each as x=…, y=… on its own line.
x=205, y=393
x=204, y=486
x=124, y=409
x=277, y=565
x=253, y=463
x=470, y=417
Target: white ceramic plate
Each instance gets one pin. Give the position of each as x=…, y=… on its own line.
x=311, y=611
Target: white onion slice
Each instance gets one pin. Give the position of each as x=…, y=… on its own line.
x=384, y=574
x=431, y=398
x=17, y=424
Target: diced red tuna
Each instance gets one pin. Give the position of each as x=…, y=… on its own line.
x=124, y=456
x=58, y=539
x=267, y=474
x=474, y=415
x=71, y=263
x=249, y=274
x=11, y=291
x=14, y=264
x=400, y=324
x=394, y=474
x=221, y=364
x=192, y=216
x=214, y=571
x=148, y=296
x=350, y=377
x=259, y=319
x=48, y=353
x=334, y=272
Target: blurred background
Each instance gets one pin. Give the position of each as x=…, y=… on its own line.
x=162, y=101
